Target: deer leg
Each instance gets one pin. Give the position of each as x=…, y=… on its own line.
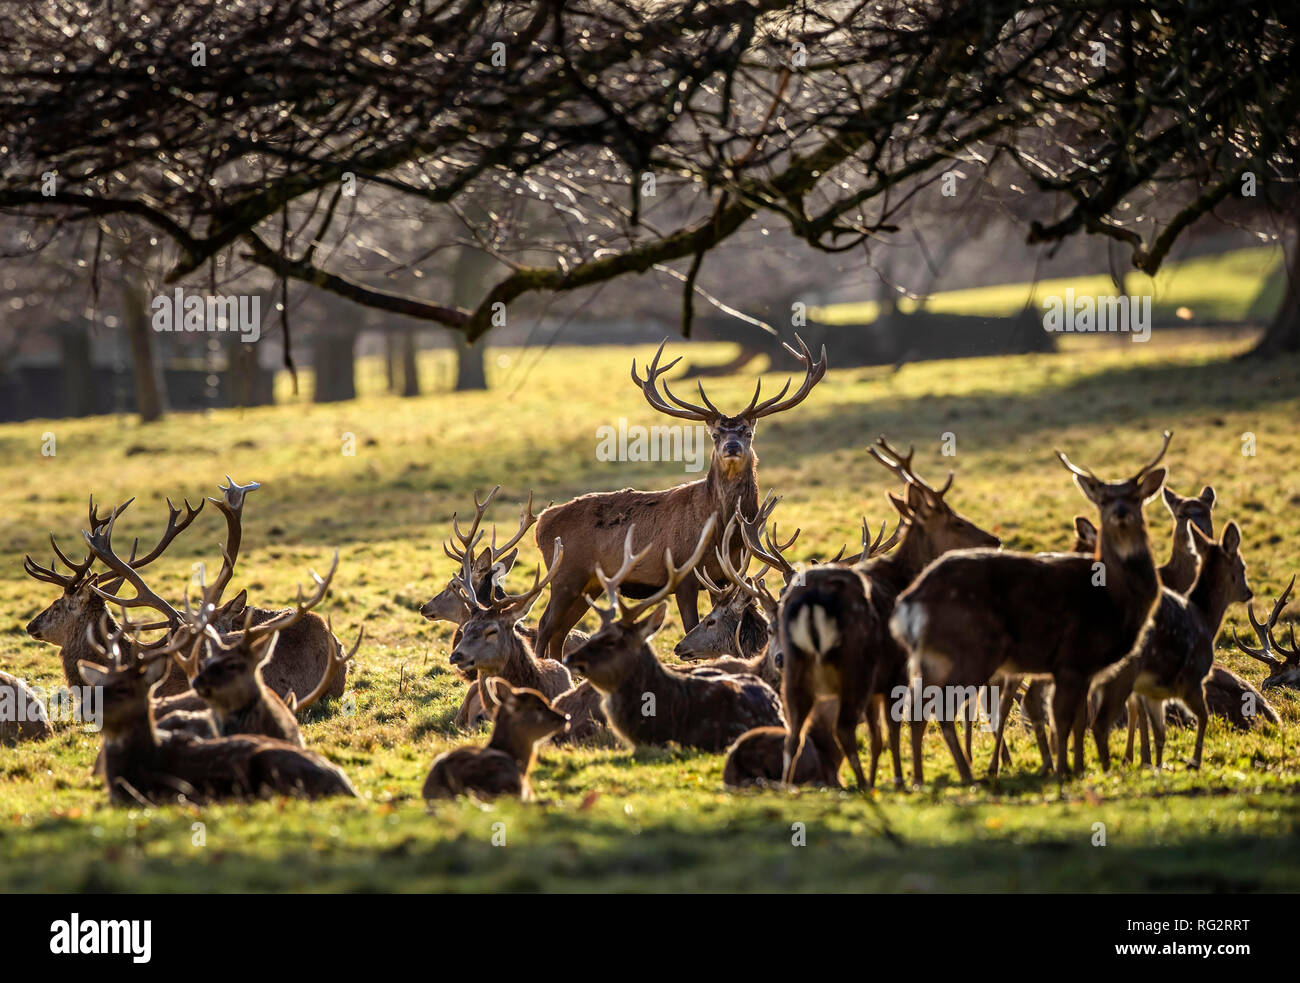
x=1004, y=710
x=846, y=735
x=1145, y=731
x=895, y=748
x=873, y=733
x=1068, y=703
x=969, y=719
x=1195, y=700
x=949, y=729
x=1112, y=698
x=564, y=623
x=687, y=606
x=798, y=700
x=1132, y=708
x=1156, y=713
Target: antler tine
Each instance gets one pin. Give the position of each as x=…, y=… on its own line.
x=464, y=581
x=100, y=542
x=769, y=549
x=1264, y=630
x=683, y=410
x=1293, y=653
x=813, y=373
x=526, y=521
x=676, y=574
x=740, y=576
x=715, y=590
x=301, y=607
x=1168, y=435
x=630, y=560
x=1260, y=654
x=518, y=603
x=231, y=505
x=45, y=574
x=878, y=547
x=173, y=529
x=338, y=659
x=468, y=539
x=899, y=464
x=1283, y=600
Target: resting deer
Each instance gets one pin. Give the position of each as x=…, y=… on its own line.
x=306, y=654
x=1286, y=670
x=229, y=671
x=646, y=703
x=1176, y=653
x=1233, y=699
x=524, y=718
x=981, y=616
x=27, y=719
x=832, y=625
x=76, y=614
x=143, y=764
x=594, y=526
x=758, y=756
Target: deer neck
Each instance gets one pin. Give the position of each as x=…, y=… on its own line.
x=1181, y=568
x=1209, y=595
x=522, y=668
x=509, y=738
x=78, y=647
x=724, y=489
x=1132, y=580
x=903, y=565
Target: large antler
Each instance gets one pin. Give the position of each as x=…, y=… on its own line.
x=627, y=614
x=813, y=372
x=468, y=540
x=337, y=660
x=901, y=465
x=100, y=541
x=755, y=587
x=872, y=547
x=510, y=604
x=1268, y=644
x=765, y=544
x=281, y=621
x=1142, y=472
x=231, y=504
x=680, y=408
x=69, y=582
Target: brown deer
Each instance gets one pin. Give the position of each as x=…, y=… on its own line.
x=832, y=624
x=1180, y=572
x=1176, y=653
x=981, y=616
x=1286, y=670
x=1236, y=701
x=594, y=526
x=75, y=614
x=524, y=718
x=646, y=703
x=229, y=672
x=758, y=756
x=22, y=714
x=145, y=765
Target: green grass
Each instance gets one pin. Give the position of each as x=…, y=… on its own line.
x=660, y=820
x=1223, y=287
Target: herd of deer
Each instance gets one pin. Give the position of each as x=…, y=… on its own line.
x=777, y=678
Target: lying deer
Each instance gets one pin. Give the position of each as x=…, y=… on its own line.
x=1286, y=670
x=29, y=720
x=76, y=614
x=1176, y=653
x=758, y=756
x=832, y=624
x=648, y=703
x=981, y=616
x=146, y=765
x=524, y=718
x=594, y=526
x=1233, y=699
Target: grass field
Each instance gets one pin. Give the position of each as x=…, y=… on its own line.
x=610, y=820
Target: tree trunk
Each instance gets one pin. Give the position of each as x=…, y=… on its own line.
x=334, y=360
x=150, y=399
x=1283, y=333
x=243, y=376
x=410, y=370
x=468, y=278
x=390, y=361
x=78, y=375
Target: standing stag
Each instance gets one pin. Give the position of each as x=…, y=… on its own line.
x=595, y=526
x=981, y=616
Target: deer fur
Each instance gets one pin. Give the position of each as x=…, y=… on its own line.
x=1226, y=696
x=29, y=720
x=524, y=718
x=593, y=527
x=1179, y=572
x=982, y=615
x=758, y=756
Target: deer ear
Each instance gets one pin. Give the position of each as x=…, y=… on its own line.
x=1084, y=529
x=93, y=673
x=1201, y=543
x=1171, y=500
x=916, y=498
x=155, y=670
x=508, y=561
x=1151, y=483
x=647, y=628
x=1207, y=496
x=1090, y=487
x=900, y=505
x=1232, y=539
x=235, y=606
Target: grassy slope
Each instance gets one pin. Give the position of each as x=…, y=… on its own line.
x=660, y=820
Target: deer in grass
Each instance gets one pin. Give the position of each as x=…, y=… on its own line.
x=1176, y=653
x=524, y=718
x=75, y=615
x=1233, y=699
x=1286, y=670
x=595, y=526
x=1180, y=572
x=646, y=703
x=758, y=756
x=26, y=719
x=307, y=657
x=832, y=623
x=983, y=616
x=228, y=670
x=144, y=764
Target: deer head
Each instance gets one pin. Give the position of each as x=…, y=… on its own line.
x=1192, y=511
x=626, y=628
x=488, y=566
x=526, y=712
x=1284, y=671
x=1123, y=526
x=129, y=672
x=732, y=436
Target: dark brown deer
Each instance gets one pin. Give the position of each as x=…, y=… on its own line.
x=758, y=756
x=145, y=765
x=1234, y=700
x=22, y=714
x=982, y=616
x=1179, y=573
x=646, y=703
x=524, y=719
x=75, y=615
x=832, y=624
x=1176, y=653
x=1286, y=670
x=595, y=526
